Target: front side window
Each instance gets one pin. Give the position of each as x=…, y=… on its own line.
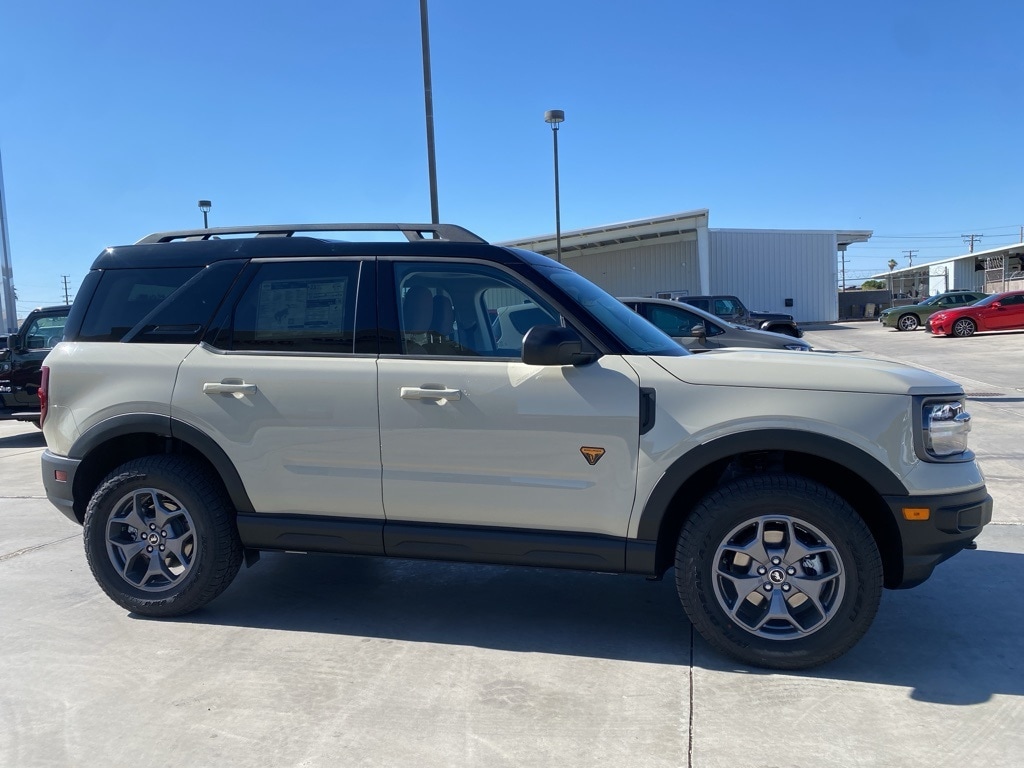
x=296, y=306
x=726, y=308
x=45, y=332
x=676, y=322
x=461, y=309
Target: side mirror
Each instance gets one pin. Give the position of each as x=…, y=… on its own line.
x=699, y=331
x=996, y=304
x=555, y=345
x=11, y=342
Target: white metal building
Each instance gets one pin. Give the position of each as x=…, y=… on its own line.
x=993, y=270
x=791, y=271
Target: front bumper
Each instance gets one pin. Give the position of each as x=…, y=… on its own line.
x=953, y=522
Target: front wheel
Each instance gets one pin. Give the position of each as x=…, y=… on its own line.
x=964, y=327
x=160, y=536
x=907, y=322
x=778, y=571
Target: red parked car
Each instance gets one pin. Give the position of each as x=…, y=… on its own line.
x=998, y=312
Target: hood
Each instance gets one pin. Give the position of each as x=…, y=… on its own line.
x=758, y=315
x=818, y=371
x=770, y=339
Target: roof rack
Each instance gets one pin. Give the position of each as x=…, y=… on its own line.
x=413, y=232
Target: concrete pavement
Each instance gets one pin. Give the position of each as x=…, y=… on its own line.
x=316, y=661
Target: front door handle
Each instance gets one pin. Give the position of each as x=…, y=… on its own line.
x=224, y=388
x=430, y=393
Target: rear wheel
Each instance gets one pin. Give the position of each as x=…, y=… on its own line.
x=160, y=536
x=779, y=572
x=908, y=322
x=964, y=327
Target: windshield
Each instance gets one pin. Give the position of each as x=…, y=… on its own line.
x=635, y=332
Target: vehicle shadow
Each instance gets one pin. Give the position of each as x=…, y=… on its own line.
x=953, y=640
x=33, y=439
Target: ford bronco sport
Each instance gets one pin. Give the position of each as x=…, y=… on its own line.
x=227, y=391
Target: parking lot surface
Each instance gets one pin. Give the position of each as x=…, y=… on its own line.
x=317, y=660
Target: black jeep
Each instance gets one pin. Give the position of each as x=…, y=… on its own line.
x=21, y=359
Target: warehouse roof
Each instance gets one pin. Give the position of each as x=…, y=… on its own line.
x=638, y=230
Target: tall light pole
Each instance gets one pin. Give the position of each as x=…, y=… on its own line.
x=8, y=304
x=205, y=206
x=428, y=106
x=553, y=117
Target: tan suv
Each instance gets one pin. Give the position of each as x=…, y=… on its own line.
x=223, y=392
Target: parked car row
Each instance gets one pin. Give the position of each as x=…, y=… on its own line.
x=959, y=313
x=913, y=316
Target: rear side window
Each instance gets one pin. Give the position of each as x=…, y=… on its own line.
x=124, y=297
x=296, y=306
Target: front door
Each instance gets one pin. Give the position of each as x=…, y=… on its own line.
x=474, y=438
x=1009, y=313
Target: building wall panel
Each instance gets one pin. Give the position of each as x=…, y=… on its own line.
x=642, y=269
x=764, y=268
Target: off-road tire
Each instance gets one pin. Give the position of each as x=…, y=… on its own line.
x=808, y=511
x=198, y=521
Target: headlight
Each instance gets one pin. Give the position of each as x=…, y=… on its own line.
x=796, y=347
x=946, y=426
x=5, y=367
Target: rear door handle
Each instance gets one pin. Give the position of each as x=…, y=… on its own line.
x=223, y=388
x=430, y=393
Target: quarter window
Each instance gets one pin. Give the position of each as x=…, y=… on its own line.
x=125, y=296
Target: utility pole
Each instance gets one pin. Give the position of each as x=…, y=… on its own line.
x=67, y=298
x=970, y=239
x=842, y=255
x=8, y=305
x=910, y=257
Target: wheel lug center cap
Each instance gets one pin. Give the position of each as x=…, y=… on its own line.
x=776, y=575
x=154, y=539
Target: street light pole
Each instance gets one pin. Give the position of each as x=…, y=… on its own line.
x=428, y=106
x=205, y=206
x=553, y=117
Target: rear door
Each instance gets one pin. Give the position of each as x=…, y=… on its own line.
x=287, y=388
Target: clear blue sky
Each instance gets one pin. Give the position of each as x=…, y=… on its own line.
x=905, y=118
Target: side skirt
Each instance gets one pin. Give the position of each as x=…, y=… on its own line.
x=470, y=544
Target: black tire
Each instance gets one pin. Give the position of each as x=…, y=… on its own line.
x=785, y=330
x=160, y=536
x=713, y=579
x=908, y=322
x=964, y=327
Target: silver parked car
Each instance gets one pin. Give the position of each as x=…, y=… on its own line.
x=700, y=331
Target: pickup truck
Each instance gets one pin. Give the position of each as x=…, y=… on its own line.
x=732, y=309
x=21, y=360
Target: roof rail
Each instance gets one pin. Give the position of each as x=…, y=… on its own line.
x=413, y=232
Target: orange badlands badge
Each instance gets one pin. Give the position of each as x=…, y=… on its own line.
x=592, y=455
